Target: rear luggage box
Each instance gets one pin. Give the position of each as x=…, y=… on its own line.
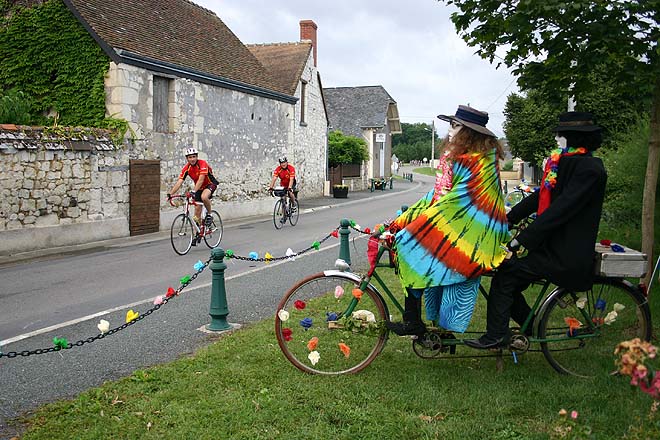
x=630, y=263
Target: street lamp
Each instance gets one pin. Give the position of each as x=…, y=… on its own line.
x=432, y=142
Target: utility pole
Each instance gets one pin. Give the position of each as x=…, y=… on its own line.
x=432, y=142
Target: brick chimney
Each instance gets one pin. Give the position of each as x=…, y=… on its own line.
x=308, y=32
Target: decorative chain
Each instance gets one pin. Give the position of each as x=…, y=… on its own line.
x=316, y=245
x=61, y=344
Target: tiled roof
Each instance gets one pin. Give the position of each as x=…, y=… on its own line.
x=351, y=109
x=284, y=61
x=19, y=137
x=174, y=32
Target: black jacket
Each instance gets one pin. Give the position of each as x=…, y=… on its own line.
x=561, y=240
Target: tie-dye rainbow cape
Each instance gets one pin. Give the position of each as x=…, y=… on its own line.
x=461, y=235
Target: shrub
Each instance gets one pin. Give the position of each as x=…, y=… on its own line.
x=15, y=108
x=344, y=149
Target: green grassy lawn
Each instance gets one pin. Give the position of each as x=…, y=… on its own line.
x=425, y=170
x=242, y=387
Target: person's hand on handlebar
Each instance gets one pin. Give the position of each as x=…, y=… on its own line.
x=169, y=197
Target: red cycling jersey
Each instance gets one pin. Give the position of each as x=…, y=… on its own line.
x=285, y=174
x=201, y=168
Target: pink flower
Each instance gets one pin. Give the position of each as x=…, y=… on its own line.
x=574, y=414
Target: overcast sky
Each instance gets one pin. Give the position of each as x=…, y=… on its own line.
x=409, y=47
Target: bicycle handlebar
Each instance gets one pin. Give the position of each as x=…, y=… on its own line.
x=188, y=195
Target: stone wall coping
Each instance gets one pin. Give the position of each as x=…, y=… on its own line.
x=25, y=137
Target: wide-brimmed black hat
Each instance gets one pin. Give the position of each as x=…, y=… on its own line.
x=576, y=121
x=470, y=117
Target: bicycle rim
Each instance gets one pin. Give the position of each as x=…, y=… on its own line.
x=587, y=350
x=213, y=233
x=278, y=214
x=181, y=234
x=513, y=198
x=293, y=217
x=343, y=345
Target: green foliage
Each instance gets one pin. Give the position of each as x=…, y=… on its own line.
x=626, y=167
x=15, y=108
x=529, y=120
x=414, y=142
x=555, y=44
x=344, y=149
x=48, y=54
x=508, y=166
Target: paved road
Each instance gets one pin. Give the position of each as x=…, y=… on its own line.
x=58, y=288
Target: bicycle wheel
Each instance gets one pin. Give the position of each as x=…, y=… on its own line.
x=311, y=321
x=583, y=331
x=294, y=214
x=213, y=233
x=278, y=214
x=182, y=234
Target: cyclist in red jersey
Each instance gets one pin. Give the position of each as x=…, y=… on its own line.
x=287, y=175
x=205, y=183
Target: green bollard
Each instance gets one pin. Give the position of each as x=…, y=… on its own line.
x=219, y=309
x=344, y=248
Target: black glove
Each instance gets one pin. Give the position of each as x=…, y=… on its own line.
x=169, y=196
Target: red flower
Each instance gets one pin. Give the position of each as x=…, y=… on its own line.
x=286, y=332
x=335, y=233
x=170, y=292
x=300, y=305
x=605, y=242
x=367, y=231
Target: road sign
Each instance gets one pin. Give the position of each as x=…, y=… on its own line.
x=381, y=137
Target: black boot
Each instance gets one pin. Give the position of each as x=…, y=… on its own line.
x=412, y=318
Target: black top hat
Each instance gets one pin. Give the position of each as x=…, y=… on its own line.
x=576, y=121
x=470, y=117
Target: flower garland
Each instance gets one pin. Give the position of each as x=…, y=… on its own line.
x=550, y=173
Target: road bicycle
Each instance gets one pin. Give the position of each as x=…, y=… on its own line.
x=185, y=230
x=333, y=323
x=284, y=209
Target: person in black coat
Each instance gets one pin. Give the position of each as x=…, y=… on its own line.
x=560, y=242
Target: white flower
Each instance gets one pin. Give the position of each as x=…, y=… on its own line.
x=283, y=315
x=341, y=265
x=610, y=317
x=339, y=291
x=314, y=357
x=364, y=315
x=290, y=254
x=103, y=326
x=618, y=307
x=580, y=303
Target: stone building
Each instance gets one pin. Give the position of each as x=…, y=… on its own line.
x=370, y=113
x=181, y=78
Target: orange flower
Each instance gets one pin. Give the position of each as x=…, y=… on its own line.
x=573, y=324
x=311, y=345
x=357, y=293
x=345, y=349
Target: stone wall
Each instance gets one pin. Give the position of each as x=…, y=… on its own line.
x=60, y=189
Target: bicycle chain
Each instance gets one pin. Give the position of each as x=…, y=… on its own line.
x=80, y=343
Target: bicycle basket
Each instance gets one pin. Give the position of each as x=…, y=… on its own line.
x=279, y=192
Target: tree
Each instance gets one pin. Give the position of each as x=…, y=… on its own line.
x=344, y=149
x=555, y=44
x=414, y=142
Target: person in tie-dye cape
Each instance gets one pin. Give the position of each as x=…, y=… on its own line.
x=454, y=234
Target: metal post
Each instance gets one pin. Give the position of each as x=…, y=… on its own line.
x=344, y=232
x=219, y=309
x=432, y=143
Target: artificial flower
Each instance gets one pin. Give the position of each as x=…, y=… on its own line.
x=573, y=324
x=352, y=223
x=103, y=326
x=314, y=357
x=364, y=315
x=299, y=304
x=290, y=254
x=60, y=343
x=158, y=300
x=286, y=333
x=229, y=253
x=618, y=307
x=268, y=257
x=331, y=316
x=341, y=265
x=170, y=292
x=185, y=279
x=367, y=231
x=316, y=245
x=306, y=323
x=357, y=293
x=335, y=233
x=606, y=242
x=283, y=315
x=357, y=227
x=253, y=255
x=600, y=304
x=198, y=266
x=345, y=349
x=610, y=317
x=339, y=291
x=574, y=414
x=131, y=315
x=311, y=345
x=581, y=302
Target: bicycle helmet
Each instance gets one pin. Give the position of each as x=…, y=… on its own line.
x=283, y=159
x=190, y=151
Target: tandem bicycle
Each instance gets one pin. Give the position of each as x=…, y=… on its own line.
x=333, y=323
x=185, y=232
